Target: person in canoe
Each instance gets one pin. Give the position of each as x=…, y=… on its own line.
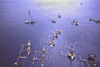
x=71, y=55
x=53, y=20
x=52, y=43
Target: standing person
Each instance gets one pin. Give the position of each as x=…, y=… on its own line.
x=44, y=51
x=43, y=57
x=29, y=12
x=72, y=50
x=29, y=43
x=29, y=47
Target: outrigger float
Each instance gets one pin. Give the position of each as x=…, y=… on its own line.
x=52, y=20
x=42, y=59
x=30, y=21
x=21, y=58
x=89, y=60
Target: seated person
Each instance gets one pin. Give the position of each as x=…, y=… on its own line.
x=91, y=57
x=53, y=20
x=52, y=43
x=59, y=32
x=71, y=56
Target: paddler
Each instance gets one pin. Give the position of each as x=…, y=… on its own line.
x=71, y=55
x=52, y=43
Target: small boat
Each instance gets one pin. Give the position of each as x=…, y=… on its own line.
x=53, y=20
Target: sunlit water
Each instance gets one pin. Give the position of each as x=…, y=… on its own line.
x=13, y=32
x=58, y=6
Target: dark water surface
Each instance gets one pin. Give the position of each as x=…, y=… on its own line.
x=13, y=32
